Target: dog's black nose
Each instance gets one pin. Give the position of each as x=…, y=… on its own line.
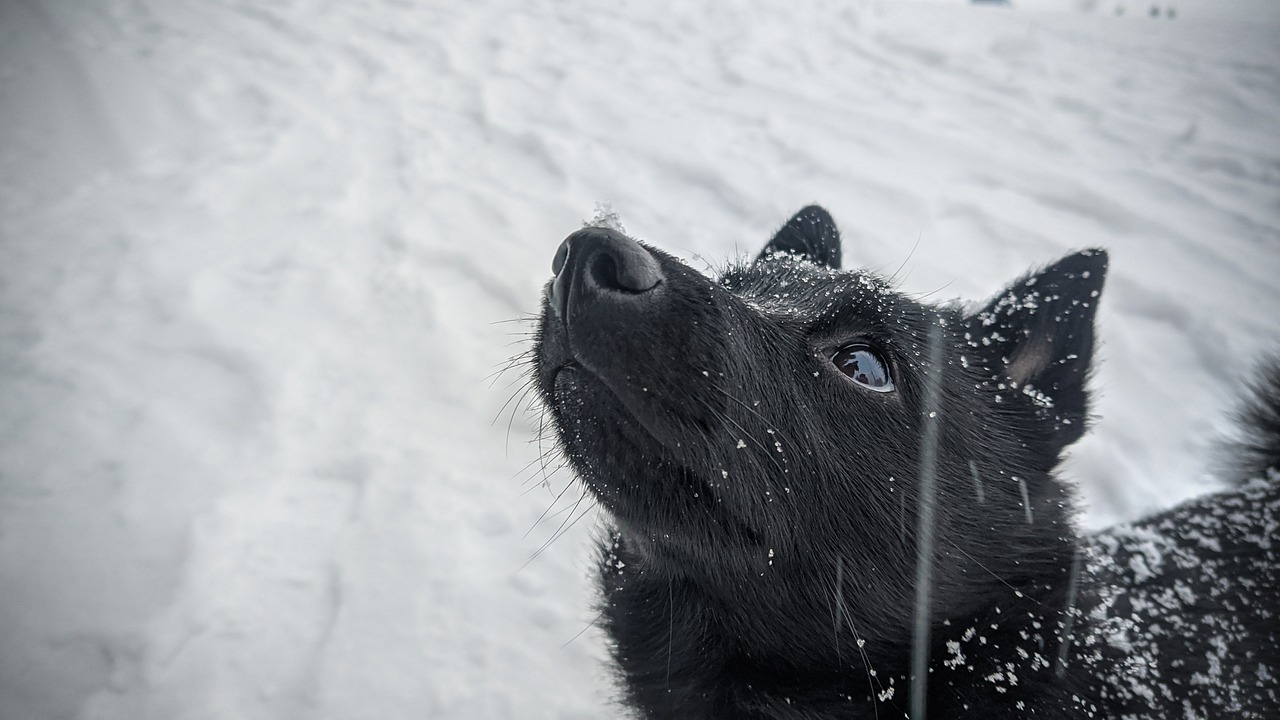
x=600, y=265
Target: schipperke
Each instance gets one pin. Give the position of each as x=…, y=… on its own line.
x=830, y=500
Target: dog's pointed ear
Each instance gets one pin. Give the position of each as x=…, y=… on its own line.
x=810, y=233
x=1037, y=337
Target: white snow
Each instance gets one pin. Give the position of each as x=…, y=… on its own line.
x=254, y=257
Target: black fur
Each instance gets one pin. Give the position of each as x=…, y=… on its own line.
x=1258, y=450
x=763, y=558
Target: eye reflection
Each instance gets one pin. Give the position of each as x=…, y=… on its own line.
x=864, y=366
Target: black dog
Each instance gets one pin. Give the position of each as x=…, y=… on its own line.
x=832, y=501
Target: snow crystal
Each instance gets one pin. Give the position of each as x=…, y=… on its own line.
x=605, y=217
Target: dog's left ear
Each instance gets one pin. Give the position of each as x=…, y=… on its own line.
x=1037, y=337
x=811, y=234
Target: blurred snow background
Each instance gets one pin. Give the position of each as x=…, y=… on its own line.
x=254, y=255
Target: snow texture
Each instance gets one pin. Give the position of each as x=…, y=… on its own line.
x=255, y=259
x=1189, y=546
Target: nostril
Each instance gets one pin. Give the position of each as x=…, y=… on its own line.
x=604, y=271
x=623, y=266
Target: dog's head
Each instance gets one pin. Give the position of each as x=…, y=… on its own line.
x=768, y=426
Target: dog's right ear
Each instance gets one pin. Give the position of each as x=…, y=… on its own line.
x=811, y=234
x=1036, y=337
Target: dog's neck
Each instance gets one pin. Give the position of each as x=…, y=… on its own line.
x=699, y=655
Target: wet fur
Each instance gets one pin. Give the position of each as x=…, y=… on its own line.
x=762, y=558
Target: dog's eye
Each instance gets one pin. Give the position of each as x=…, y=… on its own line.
x=864, y=366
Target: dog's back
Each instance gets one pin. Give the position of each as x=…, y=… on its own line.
x=1183, y=613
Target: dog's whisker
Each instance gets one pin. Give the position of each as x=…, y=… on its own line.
x=522, y=339
x=930, y=293
x=741, y=403
x=580, y=633
x=523, y=358
x=553, y=503
x=857, y=639
x=988, y=570
x=907, y=259
x=515, y=409
x=548, y=515
x=519, y=382
x=562, y=530
x=542, y=468
x=527, y=467
x=521, y=319
x=518, y=392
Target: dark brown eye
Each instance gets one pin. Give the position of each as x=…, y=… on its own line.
x=864, y=366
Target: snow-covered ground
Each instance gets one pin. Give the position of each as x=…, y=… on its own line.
x=254, y=256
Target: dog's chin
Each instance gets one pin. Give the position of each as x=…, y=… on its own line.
x=590, y=400
x=586, y=403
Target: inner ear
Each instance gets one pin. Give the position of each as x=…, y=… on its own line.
x=1029, y=361
x=810, y=234
x=1038, y=335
